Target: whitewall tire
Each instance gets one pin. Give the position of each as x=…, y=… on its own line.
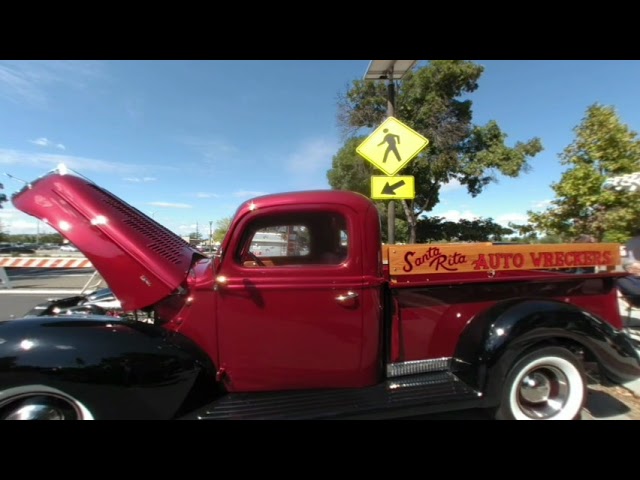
x=546, y=384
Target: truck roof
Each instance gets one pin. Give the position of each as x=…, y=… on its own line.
x=354, y=200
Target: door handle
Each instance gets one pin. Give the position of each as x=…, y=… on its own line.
x=346, y=297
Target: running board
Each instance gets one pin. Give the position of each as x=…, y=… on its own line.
x=399, y=397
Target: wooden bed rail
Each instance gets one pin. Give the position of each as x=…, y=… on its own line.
x=475, y=257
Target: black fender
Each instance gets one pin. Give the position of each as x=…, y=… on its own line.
x=118, y=369
x=492, y=342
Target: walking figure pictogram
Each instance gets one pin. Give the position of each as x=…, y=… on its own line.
x=390, y=139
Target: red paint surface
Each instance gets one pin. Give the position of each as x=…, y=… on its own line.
x=282, y=328
x=432, y=318
x=141, y=260
x=196, y=317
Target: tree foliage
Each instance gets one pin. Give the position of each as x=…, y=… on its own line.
x=603, y=147
x=195, y=237
x=431, y=100
x=435, y=229
x=222, y=227
x=32, y=239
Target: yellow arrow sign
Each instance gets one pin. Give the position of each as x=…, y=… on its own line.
x=398, y=188
x=392, y=145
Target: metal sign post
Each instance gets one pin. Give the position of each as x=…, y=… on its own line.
x=4, y=279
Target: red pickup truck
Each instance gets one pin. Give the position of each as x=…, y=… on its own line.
x=335, y=326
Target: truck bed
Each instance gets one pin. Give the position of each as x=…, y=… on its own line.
x=432, y=304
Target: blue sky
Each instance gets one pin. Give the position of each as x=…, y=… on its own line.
x=187, y=141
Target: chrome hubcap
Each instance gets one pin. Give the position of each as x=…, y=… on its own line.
x=543, y=392
x=35, y=412
x=535, y=388
x=39, y=407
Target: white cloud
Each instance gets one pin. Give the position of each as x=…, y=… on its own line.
x=517, y=218
x=20, y=226
x=42, y=142
x=169, y=205
x=247, y=193
x=456, y=215
x=450, y=186
x=189, y=228
x=206, y=195
x=211, y=148
x=16, y=86
x=45, y=142
x=542, y=205
x=48, y=161
x=28, y=81
x=139, y=180
x=133, y=107
x=15, y=222
x=309, y=163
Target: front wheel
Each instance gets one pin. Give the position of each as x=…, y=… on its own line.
x=546, y=384
x=38, y=402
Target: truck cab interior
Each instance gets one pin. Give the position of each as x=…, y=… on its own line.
x=319, y=238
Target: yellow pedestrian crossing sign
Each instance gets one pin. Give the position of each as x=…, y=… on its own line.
x=402, y=187
x=392, y=145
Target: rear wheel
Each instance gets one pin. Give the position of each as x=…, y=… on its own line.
x=546, y=384
x=40, y=403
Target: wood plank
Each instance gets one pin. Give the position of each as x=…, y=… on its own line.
x=447, y=258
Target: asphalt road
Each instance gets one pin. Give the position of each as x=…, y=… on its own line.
x=15, y=306
x=17, y=301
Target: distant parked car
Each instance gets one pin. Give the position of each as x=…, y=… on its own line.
x=15, y=249
x=68, y=248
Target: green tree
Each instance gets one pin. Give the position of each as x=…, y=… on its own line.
x=436, y=229
x=603, y=147
x=195, y=237
x=222, y=227
x=431, y=100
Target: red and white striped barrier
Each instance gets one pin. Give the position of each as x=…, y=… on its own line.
x=44, y=262
x=38, y=262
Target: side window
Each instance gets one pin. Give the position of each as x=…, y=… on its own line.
x=292, y=240
x=281, y=241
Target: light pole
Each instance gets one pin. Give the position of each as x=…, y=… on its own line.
x=389, y=70
x=210, y=234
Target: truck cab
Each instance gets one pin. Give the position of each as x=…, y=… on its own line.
x=309, y=316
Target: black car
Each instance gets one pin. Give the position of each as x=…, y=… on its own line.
x=15, y=249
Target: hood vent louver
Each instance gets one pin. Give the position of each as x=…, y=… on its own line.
x=160, y=240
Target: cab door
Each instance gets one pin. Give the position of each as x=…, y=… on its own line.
x=290, y=306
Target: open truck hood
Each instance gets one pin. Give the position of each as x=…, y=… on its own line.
x=142, y=261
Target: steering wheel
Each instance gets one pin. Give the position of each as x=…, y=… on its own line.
x=251, y=256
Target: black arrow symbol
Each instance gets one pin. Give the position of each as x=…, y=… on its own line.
x=391, y=189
